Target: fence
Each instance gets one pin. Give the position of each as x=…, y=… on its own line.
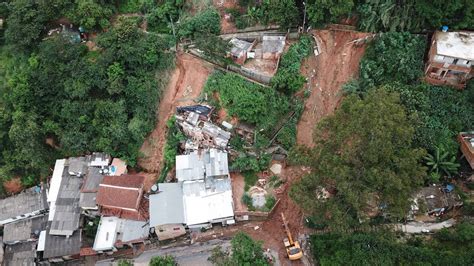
x=254, y=215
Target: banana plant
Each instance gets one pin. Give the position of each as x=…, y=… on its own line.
x=441, y=162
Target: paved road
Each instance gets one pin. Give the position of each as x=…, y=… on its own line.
x=195, y=254
x=190, y=255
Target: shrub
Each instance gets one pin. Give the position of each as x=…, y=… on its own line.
x=203, y=23
x=269, y=203
x=250, y=179
x=288, y=78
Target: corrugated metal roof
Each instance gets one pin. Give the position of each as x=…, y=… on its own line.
x=166, y=207
x=58, y=246
x=24, y=230
x=189, y=167
x=28, y=201
x=216, y=163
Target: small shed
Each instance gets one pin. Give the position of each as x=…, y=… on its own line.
x=240, y=49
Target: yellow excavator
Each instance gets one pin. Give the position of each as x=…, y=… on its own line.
x=293, y=248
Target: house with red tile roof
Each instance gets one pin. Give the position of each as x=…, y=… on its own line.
x=122, y=196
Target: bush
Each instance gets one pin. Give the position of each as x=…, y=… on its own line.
x=288, y=78
x=247, y=200
x=203, y=23
x=269, y=203
x=247, y=100
x=166, y=260
x=250, y=179
x=393, y=56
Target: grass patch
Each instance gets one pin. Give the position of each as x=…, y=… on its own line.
x=270, y=201
x=250, y=179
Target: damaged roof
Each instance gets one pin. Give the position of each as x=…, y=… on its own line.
x=273, y=44
x=23, y=254
x=189, y=167
x=29, y=201
x=58, y=246
x=24, y=230
x=455, y=44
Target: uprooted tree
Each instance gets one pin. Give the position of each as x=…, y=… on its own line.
x=364, y=158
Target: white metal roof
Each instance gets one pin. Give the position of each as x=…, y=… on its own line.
x=189, y=167
x=455, y=44
x=106, y=233
x=56, y=180
x=207, y=208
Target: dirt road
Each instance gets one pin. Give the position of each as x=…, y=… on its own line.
x=337, y=63
x=185, y=85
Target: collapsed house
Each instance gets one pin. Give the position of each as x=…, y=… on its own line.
x=201, y=132
x=450, y=59
x=466, y=140
x=273, y=46
x=434, y=201
x=202, y=196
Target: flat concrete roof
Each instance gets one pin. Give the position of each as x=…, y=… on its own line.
x=455, y=44
x=166, y=206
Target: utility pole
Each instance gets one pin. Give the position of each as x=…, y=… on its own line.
x=304, y=15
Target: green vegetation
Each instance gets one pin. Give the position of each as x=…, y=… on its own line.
x=124, y=262
x=90, y=229
x=250, y=179
x=448, y=247
x=282, y=12
x=374, y=161
x=204, y=23
x=245, y=251
x=164, y=16
x=247, y=100
x=441, y=163
x=270, y=201
x=75, y=100
x=437, y=113
x=163, y=261
x=328, y=11
x=288, y=79
x=393, y=56
x=173, y=139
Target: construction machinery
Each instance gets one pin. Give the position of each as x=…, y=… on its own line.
x=293, y=248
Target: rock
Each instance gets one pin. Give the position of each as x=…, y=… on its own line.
x=276, y=169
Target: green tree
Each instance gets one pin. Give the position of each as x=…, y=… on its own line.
x=25, y=23
x=245, y=251
x=205, y=22
x=363, y=154
x=284, y=13
x=325, y=11
x=163, y=261
x=393, y=56
x=90, y=13
x=440, y=162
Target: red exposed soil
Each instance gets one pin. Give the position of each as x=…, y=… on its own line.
x=337, y=63
x=13, y=186
x=185, y=85
x=227, y=26
x=238, y=188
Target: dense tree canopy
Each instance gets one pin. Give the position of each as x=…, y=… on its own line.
x=324, y=11
x=80, y=100
x=363, y=156
x=245, y=251
x=448, y=247
x=393, y=56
